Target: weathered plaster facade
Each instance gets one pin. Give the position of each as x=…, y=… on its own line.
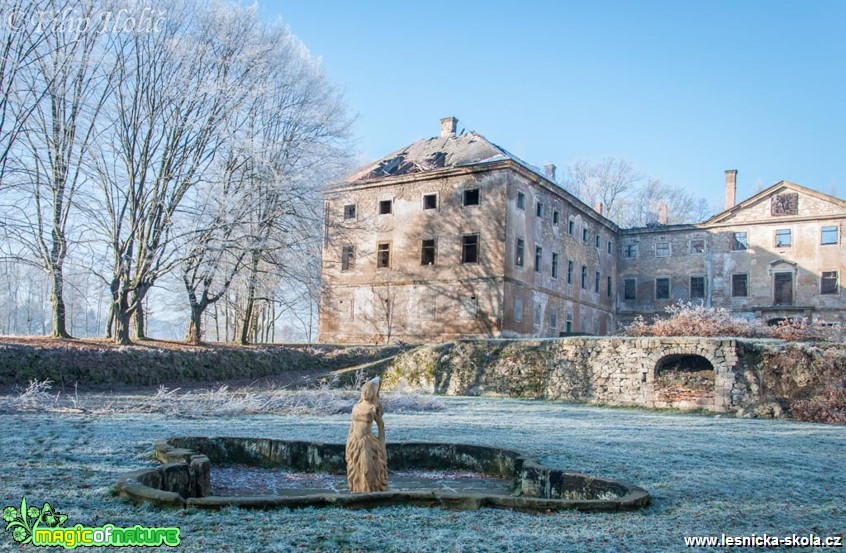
x=454, y=237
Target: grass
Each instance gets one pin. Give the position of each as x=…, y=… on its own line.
x=707, y=475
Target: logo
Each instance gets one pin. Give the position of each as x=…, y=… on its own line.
x=43, y=527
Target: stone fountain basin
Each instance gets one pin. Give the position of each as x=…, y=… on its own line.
x=463, y=477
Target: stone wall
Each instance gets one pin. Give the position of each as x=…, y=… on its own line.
x=614, y=371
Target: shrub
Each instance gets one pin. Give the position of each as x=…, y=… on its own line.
x=689, y=319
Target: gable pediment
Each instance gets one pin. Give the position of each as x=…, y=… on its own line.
x=782, y=200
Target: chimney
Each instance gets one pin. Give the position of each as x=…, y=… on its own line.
x=663, y=216
x=549, y=171
x=448, y=126
x=598, y=207
x=731, y=188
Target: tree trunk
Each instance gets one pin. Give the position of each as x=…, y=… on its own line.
x=57, y=301
x=121, y=324
x=195, y=326
x=139, y=316
x=251, y=299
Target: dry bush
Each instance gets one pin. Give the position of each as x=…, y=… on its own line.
x=689, y=319
x=829, y=407
x=35, y=397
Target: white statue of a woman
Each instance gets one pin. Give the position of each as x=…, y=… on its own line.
x=367, y=458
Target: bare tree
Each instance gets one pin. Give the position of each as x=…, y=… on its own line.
x=609, y=181
x=70, y=68
x=682, y=206
x=174, y=91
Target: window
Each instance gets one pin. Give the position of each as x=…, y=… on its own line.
x=630, y=251
x=539, y=210
x=569, y=323
x=518, y=254
x=518, y=310
x=662, y=249
x=521, y=200
x=662, y=288
x=608, y=288
x=569, y=272
x=348, y=258
x=828, y=235
x=584, y=277
x=596, y=280
x=553, y=318
x=554, y=265
x=697, y=287
x=385, y=207
x=538, y=258
x=584, y=235
x=610, y=247
x=349, y=211
x=828, y=282
x=383, y=255
x=471, y=197
x=430, y=201
x=629, y=289
x=555, y=217
x=739, y=241
x=783, y=238
x=571, y=227
x=427, y=254
x=469, y=307
x=739, y=288
x=470, y=248
x=697, y=246
x=597, y=242
x=536, y=314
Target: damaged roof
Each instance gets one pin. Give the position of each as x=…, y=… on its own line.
x=432, y=154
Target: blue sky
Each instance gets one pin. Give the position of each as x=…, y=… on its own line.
x=683, y=89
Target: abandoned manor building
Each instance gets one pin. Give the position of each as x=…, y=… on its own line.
x=455, y=237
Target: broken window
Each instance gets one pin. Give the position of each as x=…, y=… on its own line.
x=571, y=227
x=739, y=241
x=470, y=248
x=383, y=255
x=348, y=258
x=584, y=277
x=554, y=265
x=427, y=255
x=662, y=288
x=739, y=285
x=385, y=207
x=539, y=210
x=828, y=282
x=518, y=310
x=783, y=238
x=828, y=235
x=596, y=282
x=349, y=211
x=610, y=246
x=569, y=272
x=471, y=197
x=584, y=235
x=521, y=200
x=697, y=246
x=630, y=251
x=469, y=307
x=597, y=242
x=538, y=258
x=608, y=288
x=569, y=323
x=629, y=289
x=555, y=217
x=697, y=287
x=430, y=201
x=518, y=254
x=662, y=249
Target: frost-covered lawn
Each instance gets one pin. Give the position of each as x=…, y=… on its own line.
x=707, y=475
